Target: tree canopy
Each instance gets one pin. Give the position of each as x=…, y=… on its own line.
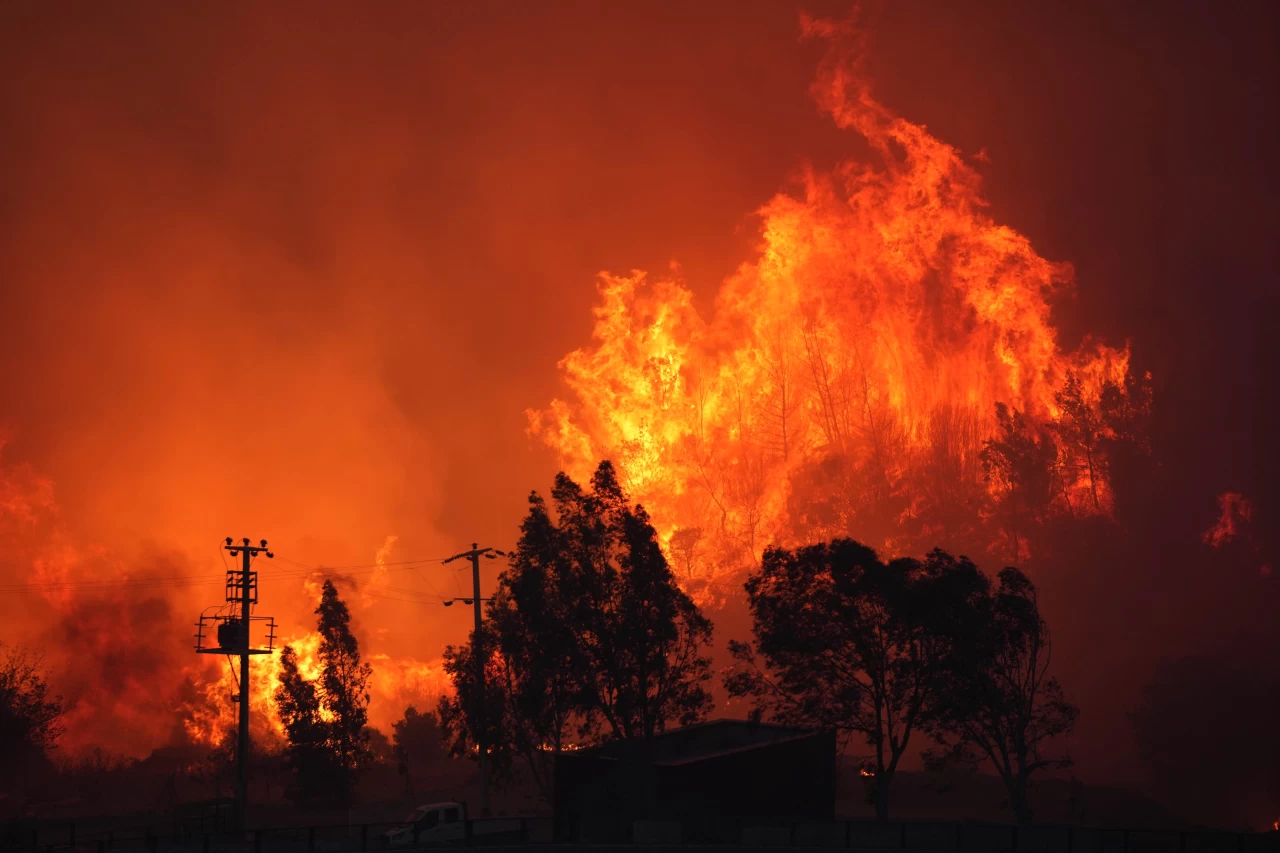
x=1002, y=704
x=846, y=641
x=30, y=717
x=325, y=719
x=588, y=635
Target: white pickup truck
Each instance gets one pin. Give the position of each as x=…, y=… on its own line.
x=446, y=823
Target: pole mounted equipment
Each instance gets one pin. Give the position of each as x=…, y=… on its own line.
x=474, y=556
x=233, y=636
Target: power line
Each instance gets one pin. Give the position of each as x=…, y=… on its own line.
x=474, y=556
x=233, y=636
x=363, y=565
x=181, y=581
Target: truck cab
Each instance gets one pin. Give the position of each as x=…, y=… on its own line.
x=434, y=823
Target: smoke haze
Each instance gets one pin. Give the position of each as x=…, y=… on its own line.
x=297, y=271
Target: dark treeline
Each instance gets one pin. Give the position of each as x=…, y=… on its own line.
x=325, y=720
x=588, y=637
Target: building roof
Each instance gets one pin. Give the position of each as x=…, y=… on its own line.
x=703, y=740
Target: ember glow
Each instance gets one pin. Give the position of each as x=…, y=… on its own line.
x=397, y=683
x=328, y=279
x=848, y=374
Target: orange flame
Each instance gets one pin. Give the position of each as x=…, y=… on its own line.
x=882, y=318
x=396, y=683
x=1235, y=512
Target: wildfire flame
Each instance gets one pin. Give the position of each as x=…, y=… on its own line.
x=1235, y=513
x=862, y=348
x=396, y=684
x=117, y=632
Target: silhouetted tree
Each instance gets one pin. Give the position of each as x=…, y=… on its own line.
x=344, y=681
x=684, y=547
x=418, y=735
x=1002, y=705
x=380, y=747
x=1019, y=465
x=639, y=636
x=1125, y=409
x=326, y=720
x=307, y=750
x=592, y=637
x=545, y=665
x=1132, y=471
x=851, y=643
x=465, y=716
x=1081, y=430
x=416, y=739
x=30, y=718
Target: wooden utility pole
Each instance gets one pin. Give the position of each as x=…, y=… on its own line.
x=477, y=647
x=234, y=639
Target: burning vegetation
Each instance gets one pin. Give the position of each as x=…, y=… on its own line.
x=886, y=366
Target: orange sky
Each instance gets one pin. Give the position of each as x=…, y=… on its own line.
x=298, y=275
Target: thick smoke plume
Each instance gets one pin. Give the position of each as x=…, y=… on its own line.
x=296, y=273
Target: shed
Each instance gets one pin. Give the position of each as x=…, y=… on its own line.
x=721, y=769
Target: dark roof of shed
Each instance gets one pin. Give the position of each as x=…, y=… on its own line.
x=703, y=740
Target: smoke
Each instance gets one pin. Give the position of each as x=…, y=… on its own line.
x=296, y=273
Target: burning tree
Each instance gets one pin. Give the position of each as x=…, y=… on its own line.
x=846, y=382
x=848, y=642
x=325, y=716
x=1018, y=465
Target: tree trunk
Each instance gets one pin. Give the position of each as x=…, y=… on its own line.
x=882, y=798
x=1093, y=480
x=1018, y=800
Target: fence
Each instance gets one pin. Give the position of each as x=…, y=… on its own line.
x=861, y=835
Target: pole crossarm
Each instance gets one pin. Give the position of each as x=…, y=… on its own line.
x=234, y=639
x=474, y=556
x=476, y=551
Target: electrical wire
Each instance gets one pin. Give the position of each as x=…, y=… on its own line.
x=298, y=571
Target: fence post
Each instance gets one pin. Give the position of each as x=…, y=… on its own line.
x=72, y=830
x=1014, y=835
x=848, y=833
x=903, y=834
x=959, y=836
x=1071, y=839
x=311, y=839
x=364, y=836
x=204, y=843
x=257, y=841
x=415, y=833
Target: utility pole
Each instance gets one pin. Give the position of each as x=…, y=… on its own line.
x=477, y=646
x=234, y=639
